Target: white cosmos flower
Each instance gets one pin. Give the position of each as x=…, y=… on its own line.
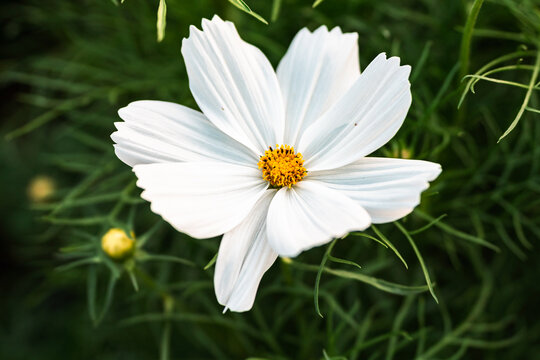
x=201, y=173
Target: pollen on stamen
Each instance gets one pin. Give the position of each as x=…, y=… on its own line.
x=282, y=166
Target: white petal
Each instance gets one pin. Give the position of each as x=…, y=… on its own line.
x=201, y=199
x=234, y=84
x=311, y=214
x=315, y=72
x=159, y=131
x=244, y=256
x=387, y=188
x=363, y=120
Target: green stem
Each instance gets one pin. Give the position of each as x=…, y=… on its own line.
x=465, y=50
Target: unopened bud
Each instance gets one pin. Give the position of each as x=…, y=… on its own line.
x=117, y=244
x=40, y=188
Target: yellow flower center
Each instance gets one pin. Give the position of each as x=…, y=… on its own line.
x=282, y=166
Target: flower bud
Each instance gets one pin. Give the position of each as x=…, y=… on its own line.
x=40, y=189
x=117, y=244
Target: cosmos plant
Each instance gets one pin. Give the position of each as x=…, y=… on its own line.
x=277, y=161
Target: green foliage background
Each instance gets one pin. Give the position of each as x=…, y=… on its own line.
x=66, y=68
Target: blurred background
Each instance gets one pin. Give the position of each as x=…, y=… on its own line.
x=67, y=67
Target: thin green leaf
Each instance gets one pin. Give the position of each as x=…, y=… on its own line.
x=498, y=70
x=420, y=259
x=370, y=237
x=89, y=180
x=89, y=221
x=90, y=200
x=459, y=234
x=380, y=284
x=77, y=248
x=144, y=256
x=108, y=298
x=499, y=34
x=91, y=285
x=241, y=4
x=465, y=51
x=190, y=317
x=483, y=69
x=318, y=278
x=486, y=344
x=508, y=241
x=421, y=61
x=276, y=7
x=343, y=261
x=527, y=97
x=396, y=327
x=48, y=116
x=141, y=240
x=430, y=224
x=532, y=110
x=133, y=279
x=166, y=335
x=390, y=245
x=80, y=262
x=211, y=262
x=519, y=231
x=494, y=80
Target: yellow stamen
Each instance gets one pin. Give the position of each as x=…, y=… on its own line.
x=281, y=166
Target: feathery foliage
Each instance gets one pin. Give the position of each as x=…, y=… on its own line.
x=456, y=279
